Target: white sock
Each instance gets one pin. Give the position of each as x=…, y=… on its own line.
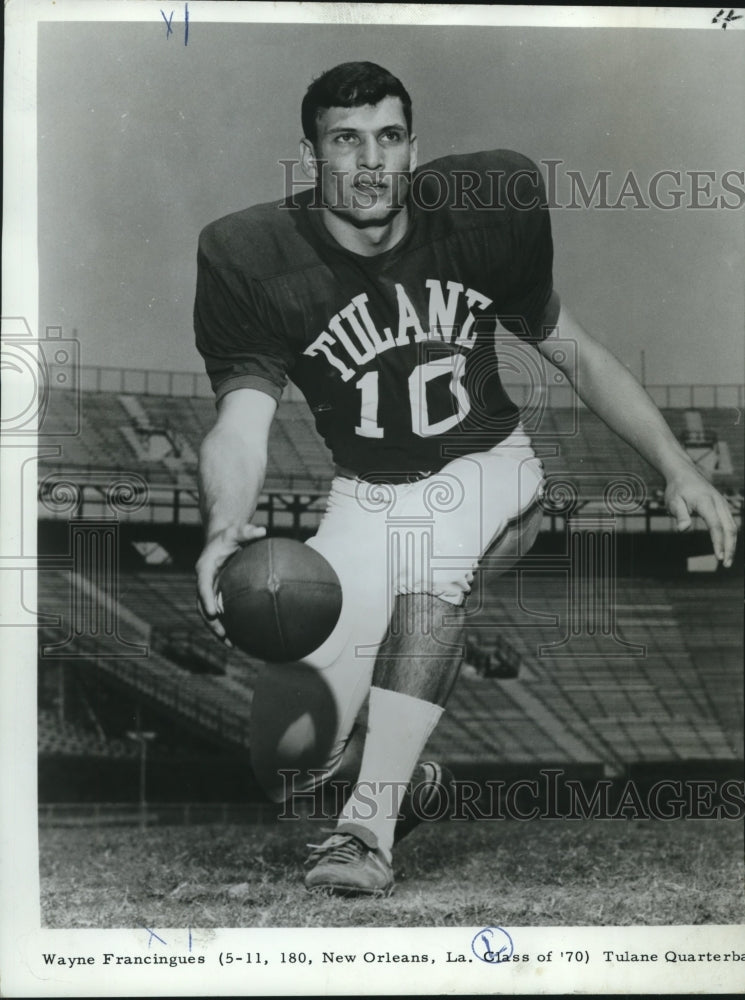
x=398, y=726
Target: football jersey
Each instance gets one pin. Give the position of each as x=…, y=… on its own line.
x=396, y=353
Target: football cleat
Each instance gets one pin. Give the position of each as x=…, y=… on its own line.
x=349, y=863
x=429, y=790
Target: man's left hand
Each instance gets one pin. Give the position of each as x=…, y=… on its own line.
x=689, y=493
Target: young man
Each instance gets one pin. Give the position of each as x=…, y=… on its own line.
x=378, y=293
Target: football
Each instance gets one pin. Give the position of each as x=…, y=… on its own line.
x=281, y=599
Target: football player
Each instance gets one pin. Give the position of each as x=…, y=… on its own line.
x=377, y=291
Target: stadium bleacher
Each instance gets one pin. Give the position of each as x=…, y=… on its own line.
x=678, y=700
x=664, y=685
x=572, y=443
x=60, y=737
x=216, y=706
x=593, y=704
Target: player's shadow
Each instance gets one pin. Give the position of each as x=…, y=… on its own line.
x=294, y=722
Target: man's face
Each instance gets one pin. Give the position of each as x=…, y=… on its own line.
x=364, y=157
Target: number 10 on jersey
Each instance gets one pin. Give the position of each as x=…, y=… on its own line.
x=423, y=423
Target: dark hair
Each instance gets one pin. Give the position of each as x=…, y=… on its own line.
x=350, y=85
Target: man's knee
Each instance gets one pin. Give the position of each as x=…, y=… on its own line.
x=295, y=787
x=283, y=777
x=294, y=723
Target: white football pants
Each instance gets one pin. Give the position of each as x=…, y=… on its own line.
x=384, y=541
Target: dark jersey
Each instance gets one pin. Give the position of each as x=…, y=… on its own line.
x=395, y=353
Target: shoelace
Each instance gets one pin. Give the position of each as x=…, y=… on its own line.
x=342, y=847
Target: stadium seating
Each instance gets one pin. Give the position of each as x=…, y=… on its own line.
x=676, y=701
x=63, y=738
x=582, y=702
x=166, y=601
x=299, y=462
x=215, y=706
x=673, y=702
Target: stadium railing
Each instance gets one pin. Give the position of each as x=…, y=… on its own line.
x=99, y=814
x=144, y=381
x=157, y=813
x=294, y=500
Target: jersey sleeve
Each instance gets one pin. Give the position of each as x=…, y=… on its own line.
x=234, y=330
x=531, y=308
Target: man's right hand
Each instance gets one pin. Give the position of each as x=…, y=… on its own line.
x=214, y=555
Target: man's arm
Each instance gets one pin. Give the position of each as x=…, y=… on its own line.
x=612, y=392
x=232, y=465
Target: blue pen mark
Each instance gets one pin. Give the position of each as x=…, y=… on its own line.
x=186, y=24
x=190, y=939
x=492, y=945
x=169, y=29
x=153, y=935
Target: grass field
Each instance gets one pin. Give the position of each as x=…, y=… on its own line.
x=547, y=873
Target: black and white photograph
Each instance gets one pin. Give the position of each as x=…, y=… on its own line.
x=372, y=487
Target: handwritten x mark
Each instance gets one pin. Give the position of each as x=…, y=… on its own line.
x=168, y=20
